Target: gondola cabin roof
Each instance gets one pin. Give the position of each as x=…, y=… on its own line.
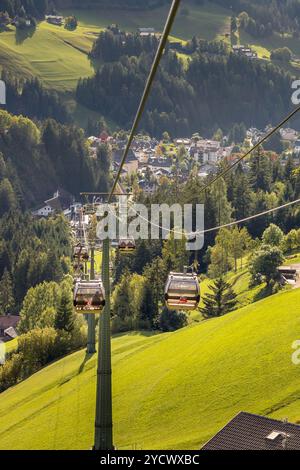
x=127, y=245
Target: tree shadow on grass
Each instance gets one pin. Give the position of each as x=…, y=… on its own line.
x=87, y=357
x=147, y=333
x=5, y=29
x=263, y=293
x=24, y=33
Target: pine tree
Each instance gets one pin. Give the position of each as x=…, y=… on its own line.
x=65, y=316
x=148, y=309
x=260, y=171
x=7, y=197
x=156, y=276
x=141, y=257
x=220, y=301
x=223, y=207
x=121, y=304
x=174, y=254
x=242, y=195
x=6, y=293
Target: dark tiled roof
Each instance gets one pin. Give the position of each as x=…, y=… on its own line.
x=118, y=154
x=8, y=321
x=61, y=200
x=54, y=203
x=250, y=432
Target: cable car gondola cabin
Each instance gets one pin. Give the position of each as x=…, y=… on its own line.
x=89, y=297
x=182, y=291
x=81, y=252
x=126, y=246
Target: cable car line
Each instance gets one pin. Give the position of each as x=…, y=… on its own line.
x=154, y=68
x=219, y=227
x=182, y=290
x=256, y=146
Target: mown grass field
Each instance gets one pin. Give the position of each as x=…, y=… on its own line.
x=59, y=57
x=208, y=21
x=292, y=259
x=241, y=284
x=10, y=346
x=264, y=47
x=275, y=41
x=170, y=390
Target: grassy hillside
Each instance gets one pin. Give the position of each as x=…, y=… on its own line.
x=209, y=21
x=55, y=55
x=264, y=47
x=11, y=345
x=59, y=57
x=209, y=372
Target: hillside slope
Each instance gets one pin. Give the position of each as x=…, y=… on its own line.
x=170, y=391
x=59, y=57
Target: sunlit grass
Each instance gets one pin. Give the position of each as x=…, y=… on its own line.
x=200, y=377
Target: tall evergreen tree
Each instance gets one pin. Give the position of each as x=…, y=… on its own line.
x=65, y=317
x=220, y=301
x=121, y=304
x=260, y=171
x=7, y=301
x=7, y=197
x=148, y=309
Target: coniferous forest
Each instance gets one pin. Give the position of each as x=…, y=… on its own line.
x=202, y=337
x=185, y=100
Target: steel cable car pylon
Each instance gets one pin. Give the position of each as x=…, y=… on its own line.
x=91, y=339
x=103, y=423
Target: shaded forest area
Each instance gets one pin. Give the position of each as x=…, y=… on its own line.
x=36, y=159
x=184, y=99
x=265, y=17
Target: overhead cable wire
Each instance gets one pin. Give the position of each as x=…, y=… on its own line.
x=219, y=227
x=256, y=146
x=152, y=75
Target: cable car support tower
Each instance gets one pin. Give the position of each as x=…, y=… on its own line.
x=104, y=420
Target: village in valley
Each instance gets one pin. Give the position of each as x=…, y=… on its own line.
x=150, y=160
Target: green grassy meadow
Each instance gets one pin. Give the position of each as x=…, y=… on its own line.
x=210, y=371
x=293, y=259
x=57, y=56
x=264, y=46
x=209, y=21
x=241, y=283
x=60, y=57
x=10, y=346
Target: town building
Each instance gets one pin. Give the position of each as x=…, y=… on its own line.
x=205, y=151
x=54, y=19
x=244, y=52
x=60, y=201
x=8, y=327
x=144, y=32
x=289, y=135
x=131, y=165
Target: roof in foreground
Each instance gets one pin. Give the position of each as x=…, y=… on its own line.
x=247, y=431
x=7, y=321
